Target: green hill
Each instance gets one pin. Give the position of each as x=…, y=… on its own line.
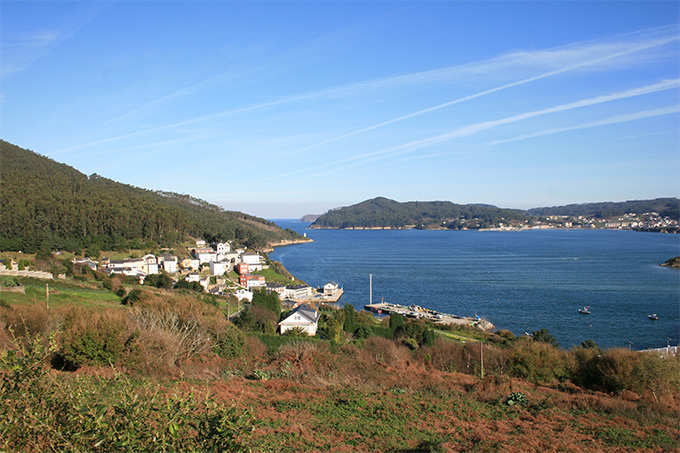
x=385, y=213
x=48, y=205
x=665, y=207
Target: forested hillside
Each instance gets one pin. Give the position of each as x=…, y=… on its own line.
x=385, y=213
x=48, y=205
x=665, y=207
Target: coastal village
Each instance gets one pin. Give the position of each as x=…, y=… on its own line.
x=209, y=266
x=212, y=266
x=649, y=221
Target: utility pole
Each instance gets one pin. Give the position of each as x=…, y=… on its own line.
x=47, y=295
x=481, y=359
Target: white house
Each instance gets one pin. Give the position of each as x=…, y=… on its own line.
x=221, y=247
x=297, y=292
x=169, y=262
x=205, y=255
x=193, y=277
x=244, y=294
x=118, y=266
x=252, y=260
x=150, y=264
x=302, y=317
x=330, y=288
x=218, y=268
x=87, y=262
x=205, y=282
x=232, y=257
x=277, y=288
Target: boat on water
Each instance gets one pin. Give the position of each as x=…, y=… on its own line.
x=654, y=317
x=584, y=310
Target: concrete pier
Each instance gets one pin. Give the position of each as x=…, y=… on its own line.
x=415, y=311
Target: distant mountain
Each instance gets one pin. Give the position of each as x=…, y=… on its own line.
x=310, y=218
x=665, y=207
x=48, y=205
x=385, y=213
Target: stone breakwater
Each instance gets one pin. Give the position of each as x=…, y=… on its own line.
x=271, y=246
x=415, y=311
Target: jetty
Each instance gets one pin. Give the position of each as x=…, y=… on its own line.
x=417, y=312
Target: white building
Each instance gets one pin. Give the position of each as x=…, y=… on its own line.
x=298, y=292
x=219, y=267
x=244, y=294
x=168, y=262
x=205, y=255
x=302, y=317
x=330, y=288
x=150, y=264
x=221, y=247
x=252, y=260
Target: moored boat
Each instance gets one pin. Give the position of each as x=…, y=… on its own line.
x=584, y=310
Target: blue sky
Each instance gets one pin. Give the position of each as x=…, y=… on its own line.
x=281, y=109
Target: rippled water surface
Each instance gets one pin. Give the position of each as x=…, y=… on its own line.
x=521, y=281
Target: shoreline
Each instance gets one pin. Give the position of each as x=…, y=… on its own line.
x=418, y=312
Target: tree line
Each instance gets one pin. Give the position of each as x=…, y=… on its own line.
x=386, y=213
x=47, y=205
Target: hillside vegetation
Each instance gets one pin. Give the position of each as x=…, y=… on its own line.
x=168, y=372
x=665, y=207
x=385, y=213
x=47, y=205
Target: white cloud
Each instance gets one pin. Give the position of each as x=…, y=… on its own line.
x=621, y=118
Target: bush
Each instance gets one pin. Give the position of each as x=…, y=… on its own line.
x=516, y=399
x=133, y=296
x=44, y=412
x=538, y=362
x=26, y=320
x=7, y=282
x=93, y=338
x=545, y=337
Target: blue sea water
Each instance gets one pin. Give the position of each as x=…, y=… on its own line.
x=522, y=281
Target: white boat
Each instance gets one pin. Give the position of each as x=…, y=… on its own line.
x=584, y=310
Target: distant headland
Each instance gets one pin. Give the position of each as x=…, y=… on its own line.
x=657, y=215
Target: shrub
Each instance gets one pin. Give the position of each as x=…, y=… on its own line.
x=7, y=281
x=93, y=338
x=410, y=343
x=506, y=334
x=516, y=399
x=133, y=296
x=363, y=332
x=45, y=412
x=538, y=362
x=24, y=321
x=545, y=337
x=229, y=340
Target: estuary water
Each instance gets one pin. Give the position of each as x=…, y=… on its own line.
x=521, y=281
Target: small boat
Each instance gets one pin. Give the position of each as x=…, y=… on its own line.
x=584, y=310
x=654, y=317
